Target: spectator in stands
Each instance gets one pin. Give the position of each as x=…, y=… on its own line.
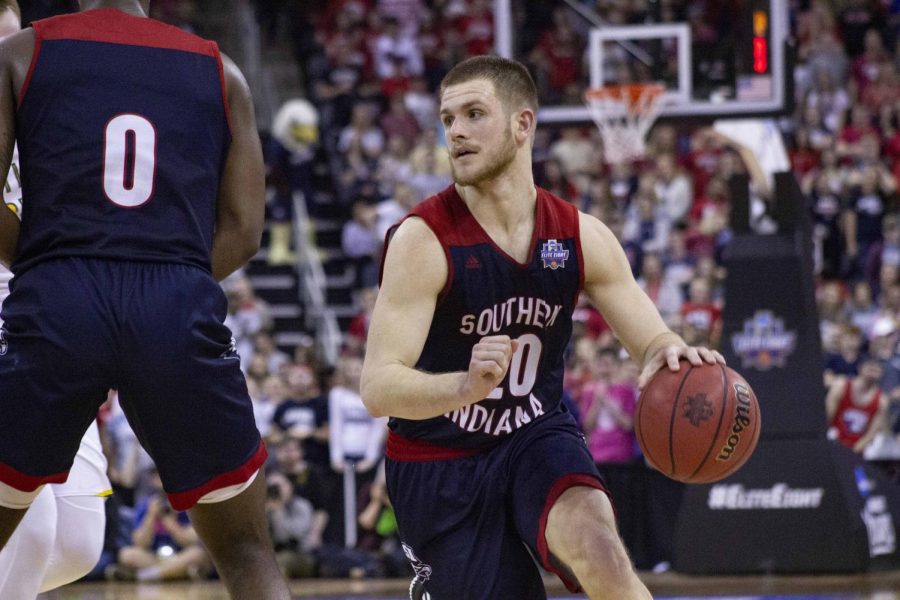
x=358, y=330
x=247, y=315
x=553, y=179
x=557, y=58
x=863, y=223
x=391, y=211
x=355, y=436
x=574, y=152
x=610, y=403
x=702, y=314
x=396, y=49
x=673, y=188
x=420, y=101
x=845, y=362
x=360, y=242
x=664, y=294
x=861, y=309
x=296, y=527
x=164, y=544
x=394, y=165
x=312, y=483
x=855, y=407
x=475, y=28
x=646, y=223
x=399, y=121
x=303, y=414
x=264, y=347
x=271, y=394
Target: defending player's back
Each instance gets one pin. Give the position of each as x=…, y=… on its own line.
x=123, y=139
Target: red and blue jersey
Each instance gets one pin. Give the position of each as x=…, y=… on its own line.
x=123, y=132
x=490, y=293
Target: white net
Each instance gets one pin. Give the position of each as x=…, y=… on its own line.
x=624, y=115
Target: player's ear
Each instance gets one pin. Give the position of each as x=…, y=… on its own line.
x=523, y=127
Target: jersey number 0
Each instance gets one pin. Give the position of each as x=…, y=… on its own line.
x=129, y=160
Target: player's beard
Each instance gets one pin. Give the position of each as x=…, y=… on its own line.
x=495, y=163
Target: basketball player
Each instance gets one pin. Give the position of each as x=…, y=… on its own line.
x=488, y=471
x=141, y=166
x=61, y=537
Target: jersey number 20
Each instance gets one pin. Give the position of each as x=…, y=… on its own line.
x=129, y=160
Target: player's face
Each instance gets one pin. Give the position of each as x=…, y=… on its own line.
x=9, y=23
x=478, y=130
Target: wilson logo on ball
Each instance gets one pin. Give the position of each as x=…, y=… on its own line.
x=741, y=422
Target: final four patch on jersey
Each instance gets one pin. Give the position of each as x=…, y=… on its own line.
x=554, y=255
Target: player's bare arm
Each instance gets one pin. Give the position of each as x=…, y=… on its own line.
x=610, y=285
x=15, y=58
x=240, y=209
x=415, y=272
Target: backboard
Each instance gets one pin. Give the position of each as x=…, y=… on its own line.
x=716, y=58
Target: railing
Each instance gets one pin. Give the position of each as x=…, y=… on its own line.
x=319, y=316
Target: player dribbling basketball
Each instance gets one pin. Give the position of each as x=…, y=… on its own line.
x=486, y=469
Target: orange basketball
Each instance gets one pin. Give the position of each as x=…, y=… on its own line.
x=698, y=424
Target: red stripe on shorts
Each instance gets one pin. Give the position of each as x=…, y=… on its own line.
x=28, y=483
x=561, y=485
x=405, y=450
x=187, y=499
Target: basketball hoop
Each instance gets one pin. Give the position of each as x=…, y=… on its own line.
x=624, y=114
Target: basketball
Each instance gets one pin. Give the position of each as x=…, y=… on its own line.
x=698, y=424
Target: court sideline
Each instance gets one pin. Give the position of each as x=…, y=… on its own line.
x=871, y=586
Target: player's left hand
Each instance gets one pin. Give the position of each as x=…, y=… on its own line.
x=671, y=356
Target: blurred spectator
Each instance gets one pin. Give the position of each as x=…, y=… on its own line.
x=247, y=315
x=573, y=150
x=421, y=102
x=355, y=436
x=646, y=223
x=554, y=180
x=358, y=330
x=303, y=414
x=673, y=188
x=664, y=294
x=394, y=166
x=399, y=121
x=164, y=545
x=609, y=421
x=360, y=242
x=701, y=313
x=861, y=309
x=855, y=407
x=391, y=211
x=313, y=483
x=557, y=58
x=396, y=49
x=845, y=362
x=475, y=27
x=295, y=526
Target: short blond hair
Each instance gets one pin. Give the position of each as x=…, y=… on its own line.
x=512, y=81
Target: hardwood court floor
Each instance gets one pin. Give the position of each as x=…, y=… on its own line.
x=873, y=586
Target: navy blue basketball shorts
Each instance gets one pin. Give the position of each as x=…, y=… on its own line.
x=74, y=328
x=474, y=526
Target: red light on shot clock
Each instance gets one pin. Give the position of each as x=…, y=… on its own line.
x=760, y=55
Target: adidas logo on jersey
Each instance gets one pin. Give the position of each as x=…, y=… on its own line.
x=472, y=262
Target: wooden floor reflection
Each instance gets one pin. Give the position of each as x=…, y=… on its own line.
x=873, y=586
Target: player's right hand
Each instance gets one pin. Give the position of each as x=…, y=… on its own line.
x=488, y=365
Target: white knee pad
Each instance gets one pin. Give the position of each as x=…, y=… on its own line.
x=80, y=529
x=27, y=553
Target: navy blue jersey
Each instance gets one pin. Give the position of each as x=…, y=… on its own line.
x=123, y=132
x=490, y=293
